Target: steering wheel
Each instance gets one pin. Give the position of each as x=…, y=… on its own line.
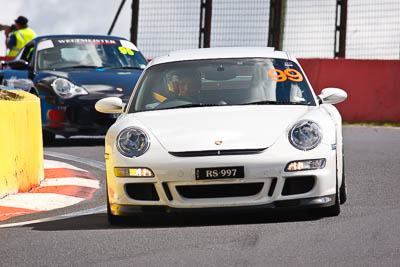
x=176, y=101
x=53, y=65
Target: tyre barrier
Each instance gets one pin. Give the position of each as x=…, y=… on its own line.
x=21, y=144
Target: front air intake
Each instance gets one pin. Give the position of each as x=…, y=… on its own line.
x=144, y=191
x=219, y=190
x=206, y=153
x=298, y=185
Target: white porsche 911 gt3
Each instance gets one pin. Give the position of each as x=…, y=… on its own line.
x=221, y=128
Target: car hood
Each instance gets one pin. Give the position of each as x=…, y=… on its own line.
x=101, y=81
x=238, y=127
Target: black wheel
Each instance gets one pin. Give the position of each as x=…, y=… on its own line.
x=48, y=138
x=112, y=219
x=331, y=211
x=343, y=188
x=334, y=210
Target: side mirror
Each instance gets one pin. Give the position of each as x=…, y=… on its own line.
x=113, y=105
x=332, y=96
x=18, y=64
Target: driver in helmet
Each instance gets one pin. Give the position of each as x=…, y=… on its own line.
x=184, y=84
x=180, y=84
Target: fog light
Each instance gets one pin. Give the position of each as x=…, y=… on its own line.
x=133, y=172
x=305, y=165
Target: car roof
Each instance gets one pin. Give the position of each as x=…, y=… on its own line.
x=221, y=52
x=59, y=36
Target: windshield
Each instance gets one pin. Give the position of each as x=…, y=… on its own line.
x=222, y=82
x=88, y=53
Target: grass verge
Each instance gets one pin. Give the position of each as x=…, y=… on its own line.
x=373, y=123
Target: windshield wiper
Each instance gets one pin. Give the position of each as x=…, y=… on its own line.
x=125, y=67
x=192, y=106
x=268, y=102
x=81, y=67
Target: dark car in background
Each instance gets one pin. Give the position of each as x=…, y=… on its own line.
x=70, y=73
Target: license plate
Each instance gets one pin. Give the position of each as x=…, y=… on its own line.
x=220, y=173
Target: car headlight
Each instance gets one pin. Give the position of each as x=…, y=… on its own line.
x=132, y=142
x=305, y=165
x=66, y=89
x=305, y=135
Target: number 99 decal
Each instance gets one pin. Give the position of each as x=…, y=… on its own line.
x=281, y=76
x=124, y=50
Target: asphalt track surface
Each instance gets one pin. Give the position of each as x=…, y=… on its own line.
x=366, y=233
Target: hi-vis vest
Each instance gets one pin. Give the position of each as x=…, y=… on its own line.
x=23, y=37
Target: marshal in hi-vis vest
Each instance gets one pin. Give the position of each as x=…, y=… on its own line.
x=23, y=36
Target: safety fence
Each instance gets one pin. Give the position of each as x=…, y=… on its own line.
x=356, y=29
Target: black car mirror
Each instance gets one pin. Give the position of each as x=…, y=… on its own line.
x=220, y=75
x=19, y=64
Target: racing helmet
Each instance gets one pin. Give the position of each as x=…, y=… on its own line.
x=191, y=78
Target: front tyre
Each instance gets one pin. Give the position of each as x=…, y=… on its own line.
x=112, y=219
x=340, y=196
x=343, y=188
x=49, y=138
x=334, y=210
x=331, y=211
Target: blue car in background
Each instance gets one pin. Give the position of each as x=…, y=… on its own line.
x=70, y=73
